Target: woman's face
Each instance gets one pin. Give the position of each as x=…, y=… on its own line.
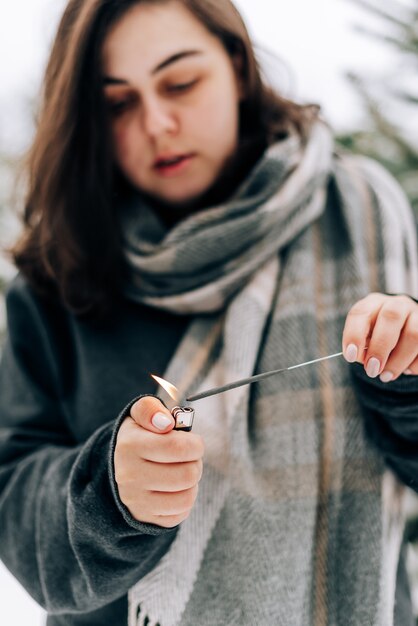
x=173, y=97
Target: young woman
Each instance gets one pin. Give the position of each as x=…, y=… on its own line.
x=184, y=220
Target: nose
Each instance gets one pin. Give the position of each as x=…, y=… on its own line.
x=158, y=118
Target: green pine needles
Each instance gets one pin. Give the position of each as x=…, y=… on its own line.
x=390, y=100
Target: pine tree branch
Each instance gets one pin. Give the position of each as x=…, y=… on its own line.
x=382, y=124
x=384, y=14
x=406, y=97
x=403, y=44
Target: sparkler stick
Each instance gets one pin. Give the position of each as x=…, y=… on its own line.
x=254, y=379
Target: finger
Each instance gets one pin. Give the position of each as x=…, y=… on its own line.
x=172, y=477
x=161, y=503
x=150, y=413
x=404, y=356
x=412, y=369
x=359, y=325
x=175, y=447
x=166, y=521
x=169, y=521
x=392, y=317
x=155, y=503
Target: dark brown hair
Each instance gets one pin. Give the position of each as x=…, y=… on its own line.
x=70, y=245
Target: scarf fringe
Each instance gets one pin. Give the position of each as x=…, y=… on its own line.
x=144, y=620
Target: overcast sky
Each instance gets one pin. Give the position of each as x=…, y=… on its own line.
x=314, y=38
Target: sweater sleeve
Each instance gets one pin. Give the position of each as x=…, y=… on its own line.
x=64, y=533
x=391, y=420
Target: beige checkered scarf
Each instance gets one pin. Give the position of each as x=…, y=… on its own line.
x=292, y=524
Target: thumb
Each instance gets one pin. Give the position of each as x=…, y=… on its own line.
x=150, y=413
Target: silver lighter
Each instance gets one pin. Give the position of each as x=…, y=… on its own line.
x=183, y=417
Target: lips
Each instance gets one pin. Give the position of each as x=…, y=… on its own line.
x=169, y=159
x=172, y=163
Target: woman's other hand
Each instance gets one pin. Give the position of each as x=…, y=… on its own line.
x=381, y=332
x=157, y=470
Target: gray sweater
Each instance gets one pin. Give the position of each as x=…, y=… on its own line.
x=64, y=381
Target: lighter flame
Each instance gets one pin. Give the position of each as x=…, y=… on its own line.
x=172, y=391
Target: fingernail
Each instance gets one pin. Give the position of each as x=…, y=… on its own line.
x=408, y=372
x=386, y=377
x=160, y=421
x=351, y=353
x=373, y=367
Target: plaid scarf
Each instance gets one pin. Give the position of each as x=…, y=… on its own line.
x=296, y=522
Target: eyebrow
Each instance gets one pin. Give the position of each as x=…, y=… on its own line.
x=178, y=56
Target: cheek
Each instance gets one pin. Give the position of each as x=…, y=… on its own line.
x=121, y=141
x=126, y=144
x=218, y=118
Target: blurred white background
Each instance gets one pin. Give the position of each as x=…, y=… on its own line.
x=314, y=39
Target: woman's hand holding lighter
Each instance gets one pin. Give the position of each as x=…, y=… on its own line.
x=388, y=326
x=157, y=471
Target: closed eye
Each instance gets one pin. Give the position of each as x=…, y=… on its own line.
x=182, y=87
x=117, y=107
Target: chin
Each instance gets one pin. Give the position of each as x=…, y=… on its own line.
x=182, y=200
